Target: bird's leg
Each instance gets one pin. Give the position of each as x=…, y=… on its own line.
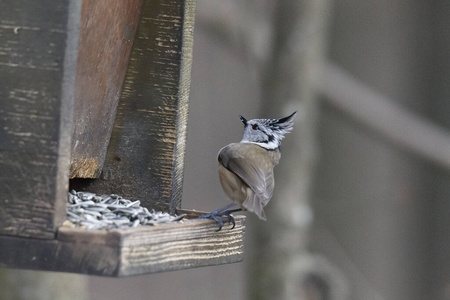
x=218, y=214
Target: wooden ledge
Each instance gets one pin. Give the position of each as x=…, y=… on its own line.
x=130, y=251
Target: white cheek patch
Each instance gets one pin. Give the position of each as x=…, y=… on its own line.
x=270, y=145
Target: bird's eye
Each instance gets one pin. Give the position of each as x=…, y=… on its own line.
x=255, y=127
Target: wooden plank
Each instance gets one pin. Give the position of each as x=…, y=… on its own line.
x=145, y=157
x=106, y=35
x=52, y=255
x=193, y=245
x=38, y=52
x=125, y=252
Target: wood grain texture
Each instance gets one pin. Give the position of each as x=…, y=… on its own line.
x=125, y=252
x=145, y=157
x=106, y=36
x=38, y=51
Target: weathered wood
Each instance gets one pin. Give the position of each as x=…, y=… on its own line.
x=38, y=51
x=124, y=252
x=106, y=35
x=145, y=157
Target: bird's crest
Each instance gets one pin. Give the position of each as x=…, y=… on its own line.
x=267, y=133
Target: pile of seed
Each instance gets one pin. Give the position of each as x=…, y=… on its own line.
x=91, y=211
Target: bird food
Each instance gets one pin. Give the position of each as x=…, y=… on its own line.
x=92, y=211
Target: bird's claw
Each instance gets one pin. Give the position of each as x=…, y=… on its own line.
x=218, y=217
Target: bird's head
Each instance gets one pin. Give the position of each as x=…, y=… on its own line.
x=267, y=133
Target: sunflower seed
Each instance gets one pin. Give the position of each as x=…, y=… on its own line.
x=91, y=211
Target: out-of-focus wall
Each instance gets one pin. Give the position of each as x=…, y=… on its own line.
x=375, y=202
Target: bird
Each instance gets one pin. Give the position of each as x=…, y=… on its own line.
x=246, y=168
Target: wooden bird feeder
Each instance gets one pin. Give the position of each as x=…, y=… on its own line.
x=97, y=92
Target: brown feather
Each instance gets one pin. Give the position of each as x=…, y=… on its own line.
x=246, y=175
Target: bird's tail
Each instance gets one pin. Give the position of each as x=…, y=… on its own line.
x=253, y=204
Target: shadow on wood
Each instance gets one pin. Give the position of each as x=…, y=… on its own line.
x=145, y=156
x=107, y=32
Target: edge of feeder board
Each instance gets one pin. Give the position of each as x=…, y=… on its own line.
x=130, y=251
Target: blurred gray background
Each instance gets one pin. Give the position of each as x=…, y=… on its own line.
x=361, y=207
x=380, y=227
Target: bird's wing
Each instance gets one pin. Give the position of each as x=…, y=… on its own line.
x=245, y=164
